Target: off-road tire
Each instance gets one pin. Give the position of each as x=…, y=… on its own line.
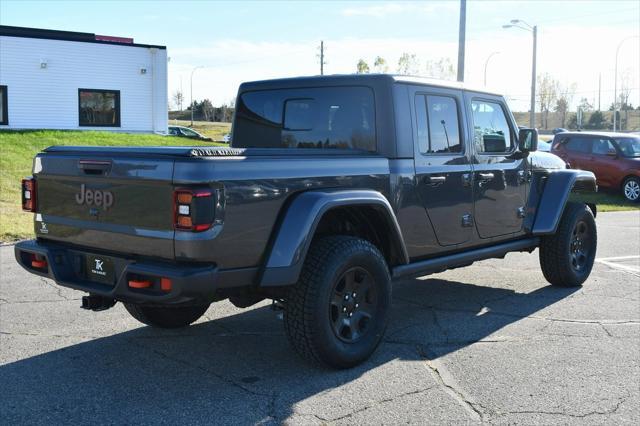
x=310, y=307
x=630, y=188
x=558, y=251
x=166, y=316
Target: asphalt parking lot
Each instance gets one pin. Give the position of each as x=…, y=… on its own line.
x=489, y=343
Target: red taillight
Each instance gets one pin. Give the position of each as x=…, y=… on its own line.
x=140, y=283
x=29, y=194
x=165, y=284
x=38, y=262
x=193, y=209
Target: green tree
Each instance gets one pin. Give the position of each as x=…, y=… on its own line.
x=362, y=67
x=380, y=65
x=596, y=121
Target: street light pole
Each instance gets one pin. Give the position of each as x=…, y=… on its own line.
x=515, y=23
x=191, y=90
x=615, y=82
x=485, y=66
x=532, y=116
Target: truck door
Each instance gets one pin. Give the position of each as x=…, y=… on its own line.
x=442, y=164
x=500, y=177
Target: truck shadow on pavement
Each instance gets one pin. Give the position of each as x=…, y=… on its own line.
x=240, y=369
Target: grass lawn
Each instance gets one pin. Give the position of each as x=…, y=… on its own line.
x=608, y=201
x=17, y=149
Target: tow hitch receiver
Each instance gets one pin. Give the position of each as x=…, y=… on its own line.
x=96, y=303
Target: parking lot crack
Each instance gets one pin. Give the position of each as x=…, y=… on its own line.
x=370, y=406
x=203, y=369
x=58, y=289
x=605, y=412
x=447, y=382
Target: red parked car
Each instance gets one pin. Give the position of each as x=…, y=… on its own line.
x=613, y=157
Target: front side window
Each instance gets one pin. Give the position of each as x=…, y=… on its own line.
x=578, y=144
x=492, y=134
x=4, y=113
x=99, y=108
x=630, y=147
x=328, y=117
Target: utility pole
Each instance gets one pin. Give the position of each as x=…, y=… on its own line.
x=461, y=38
x=191, y=89
x=321, y=57
x=532, y=117
x=599, y=89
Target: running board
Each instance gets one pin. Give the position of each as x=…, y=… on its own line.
x=439, y=264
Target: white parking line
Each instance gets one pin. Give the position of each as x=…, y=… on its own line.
x=612, y=262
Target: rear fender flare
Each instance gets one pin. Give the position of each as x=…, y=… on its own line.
x=559, y=187
x=298, y=226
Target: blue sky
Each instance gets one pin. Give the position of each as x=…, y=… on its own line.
x=238, y=41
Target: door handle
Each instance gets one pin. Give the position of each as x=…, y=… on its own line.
x=486, y=176
x=435, y=180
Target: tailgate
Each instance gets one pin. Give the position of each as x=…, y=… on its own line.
x=120, y=203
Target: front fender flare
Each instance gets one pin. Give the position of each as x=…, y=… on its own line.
x=557, y=189
x=300, y=221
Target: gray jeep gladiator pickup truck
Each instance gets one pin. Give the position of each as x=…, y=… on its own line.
x=332, y=188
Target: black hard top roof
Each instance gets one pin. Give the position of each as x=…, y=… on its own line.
x=356, y=79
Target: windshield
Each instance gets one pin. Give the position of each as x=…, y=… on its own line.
x=630, y=147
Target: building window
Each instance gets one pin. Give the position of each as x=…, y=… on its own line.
x=99, y=108
x=4, y=113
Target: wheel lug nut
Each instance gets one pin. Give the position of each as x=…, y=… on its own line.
x=357, y=305
x=344, y=309
x=350, y=314
x=354, y=294
x=346, y=297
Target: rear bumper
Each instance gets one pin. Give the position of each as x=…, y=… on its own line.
x=66, y=266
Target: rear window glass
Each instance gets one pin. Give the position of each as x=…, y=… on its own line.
x=579, y=145
x=328, y=117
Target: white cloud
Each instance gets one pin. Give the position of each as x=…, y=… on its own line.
x=384, y=9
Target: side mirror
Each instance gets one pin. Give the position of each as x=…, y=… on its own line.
x=528, y=140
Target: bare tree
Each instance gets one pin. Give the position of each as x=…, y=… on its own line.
x=623, y=98
x=178, y=98
x=547, y=95
x=362, y=67
x=408, y=64
x=380, y=65
x=441, y=69
x=565, y=97
x=585, y=105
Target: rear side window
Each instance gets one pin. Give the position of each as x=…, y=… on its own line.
x=328, y=117
x=578, y=145
x=492, y=133
x=603, y=147
x=438, y=124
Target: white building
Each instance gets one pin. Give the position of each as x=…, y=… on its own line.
x=68, y=80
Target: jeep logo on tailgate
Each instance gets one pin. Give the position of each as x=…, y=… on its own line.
x=94, y=197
